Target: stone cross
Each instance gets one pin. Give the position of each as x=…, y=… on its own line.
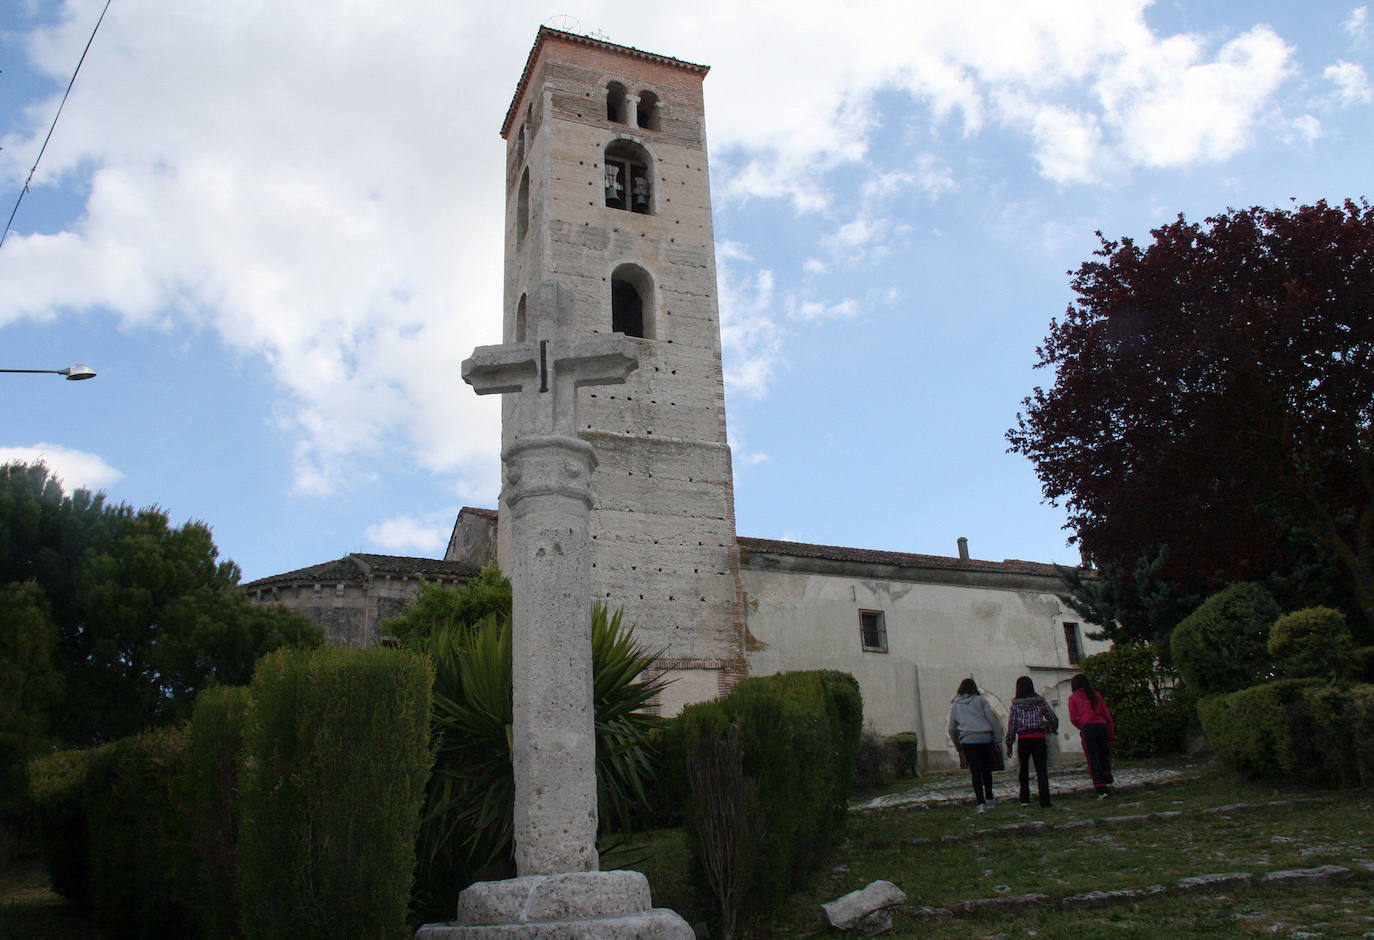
x=547, y=473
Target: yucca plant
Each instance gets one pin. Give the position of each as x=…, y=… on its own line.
x=467, y=830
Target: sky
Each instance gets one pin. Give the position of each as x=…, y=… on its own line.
x=274, y=229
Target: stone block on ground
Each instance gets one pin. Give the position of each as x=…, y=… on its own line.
x=997, y=905
x=846, y=912
x=1300, y=875
x=1219, y=880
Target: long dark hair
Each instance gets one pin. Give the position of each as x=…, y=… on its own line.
x=968, y=687
x=1025, y=688
x=1080, y=681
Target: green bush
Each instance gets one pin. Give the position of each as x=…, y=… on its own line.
x=208, y=792
x=908, y=748
x=1363, y=660
x=1252, y=730
x=1151, y=710
x=335, y=756
x=57, y=787
x=467, y=830
x=1221, y=646
x=1300, y=730
x=141, y=863
x=882, y=760
x=1313, y=644
x=756, y=833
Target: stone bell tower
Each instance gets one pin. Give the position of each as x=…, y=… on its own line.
x=607, y=192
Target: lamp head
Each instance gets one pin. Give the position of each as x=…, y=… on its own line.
x=77, y=372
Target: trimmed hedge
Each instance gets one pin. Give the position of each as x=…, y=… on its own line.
x=1222, y=646
x=794, y=740
x=336, y=752
x=1295, y=730
x=1313, y=643
x=1151, y=710
x=142, y=867
x=57, y=788
x=209, y=789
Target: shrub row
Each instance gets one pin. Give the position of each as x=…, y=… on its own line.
x=769, y=769
x=154, y=836
x=1295, y=729
x=1151, y=709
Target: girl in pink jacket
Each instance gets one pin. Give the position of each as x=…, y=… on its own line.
x=1090, y=716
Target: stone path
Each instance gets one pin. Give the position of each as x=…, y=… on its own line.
x=954, y=786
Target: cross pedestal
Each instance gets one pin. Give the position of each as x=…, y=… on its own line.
x=547, y=472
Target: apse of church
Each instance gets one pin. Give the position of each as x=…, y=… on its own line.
x=608, y=193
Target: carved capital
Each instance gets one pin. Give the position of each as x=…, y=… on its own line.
x=548, y=465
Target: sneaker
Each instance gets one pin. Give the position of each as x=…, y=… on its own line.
x=1103, y=795
x=1025, y=805
x=991, y=802
x=982, y=807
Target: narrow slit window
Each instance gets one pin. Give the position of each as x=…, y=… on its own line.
x=646, y=114
x=873, y=631
x=520, y=318
x=522, y=208
x=1072, y=643
x=615, y=102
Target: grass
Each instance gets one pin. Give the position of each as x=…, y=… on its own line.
x=1310, y=828
x=963, y=860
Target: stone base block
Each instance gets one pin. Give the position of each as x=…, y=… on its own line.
x=609, y=904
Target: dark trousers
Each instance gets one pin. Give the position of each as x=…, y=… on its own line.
x=981, y=759
x=1096, y=749
x=1034, y=749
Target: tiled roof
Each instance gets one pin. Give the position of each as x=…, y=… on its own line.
x=359, y=566
x=895, y=559
x=547, y=32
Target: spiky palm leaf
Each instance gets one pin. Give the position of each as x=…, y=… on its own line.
x=470, y=806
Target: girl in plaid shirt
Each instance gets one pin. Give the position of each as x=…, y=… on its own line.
x=1031, y=720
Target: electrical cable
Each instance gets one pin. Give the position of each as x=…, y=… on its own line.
x=53, y=126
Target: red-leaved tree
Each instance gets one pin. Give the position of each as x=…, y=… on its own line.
x=1213, y=395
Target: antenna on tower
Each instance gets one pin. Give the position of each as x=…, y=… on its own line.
x=564, y=23
x=570, y=24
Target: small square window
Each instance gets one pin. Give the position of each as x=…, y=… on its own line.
x=873, y=629
x=1073, y=643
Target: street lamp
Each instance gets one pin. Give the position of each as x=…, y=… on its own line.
x=74, y=373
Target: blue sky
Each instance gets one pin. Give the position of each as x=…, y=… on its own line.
x=274, y=230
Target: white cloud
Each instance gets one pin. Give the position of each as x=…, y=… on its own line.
x=1068, y=145
x=425, y=535
x=816, y=311
x=933, y=176
x=73, y=468
x=1174, y=108
x=1357, y=24
x=1306, y=129
x=751, y=340
x=322, y=186
x=1352, y=84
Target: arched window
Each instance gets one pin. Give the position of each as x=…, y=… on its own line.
x=615, y=102
x=647, y=115
x=522, y=208
x=632, y=301
x=627, y=177
x=520, y=324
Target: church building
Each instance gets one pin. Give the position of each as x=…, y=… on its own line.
x=608, y=192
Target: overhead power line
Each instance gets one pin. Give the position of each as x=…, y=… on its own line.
x=52, y=126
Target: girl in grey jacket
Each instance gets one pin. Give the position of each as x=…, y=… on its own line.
x=978, y=735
